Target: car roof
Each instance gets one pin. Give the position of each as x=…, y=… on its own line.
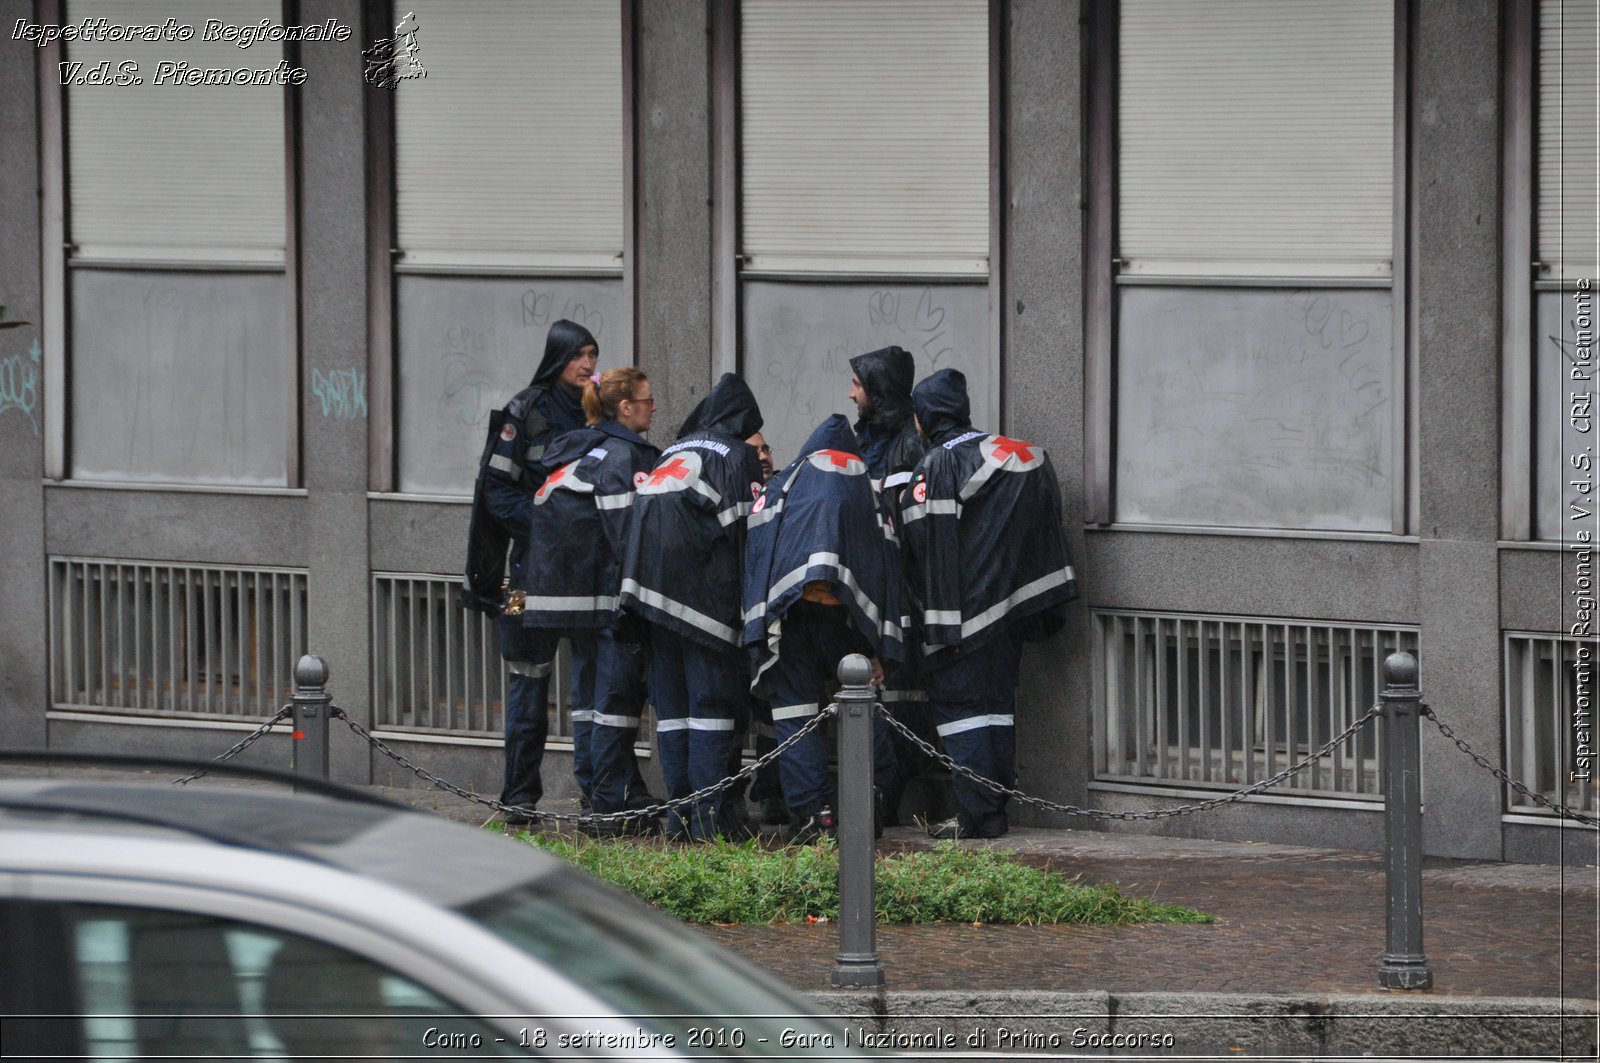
x=442, y=861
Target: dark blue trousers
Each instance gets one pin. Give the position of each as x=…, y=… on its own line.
x=530, y=655
x=696, y=691
x=815, y=638
x=619, y=695
x=973, y=703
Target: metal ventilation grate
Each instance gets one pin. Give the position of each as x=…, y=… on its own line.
x=1227, y=701
x=1545, y=677
x=174, y=640
x=437, y=667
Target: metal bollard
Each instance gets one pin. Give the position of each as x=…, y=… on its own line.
x=311, y=701
x=857, y=964
x=1404, y=965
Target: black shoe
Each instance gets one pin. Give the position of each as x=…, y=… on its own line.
x=518, y=821
x=774, y=812
x=816, y=826
x=948, y=830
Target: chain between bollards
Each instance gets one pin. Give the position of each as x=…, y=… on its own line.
x=1404, y=964
x=857, y=963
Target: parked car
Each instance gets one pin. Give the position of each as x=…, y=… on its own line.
x=155, y=921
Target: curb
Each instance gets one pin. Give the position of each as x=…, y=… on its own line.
x=941, y=1025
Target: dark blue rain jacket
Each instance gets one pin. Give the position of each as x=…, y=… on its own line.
x=512, y=466
x=578, y=527
x=686, y=547
x=818, y=521
x=981, y=528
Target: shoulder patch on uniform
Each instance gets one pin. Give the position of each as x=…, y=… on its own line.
x=508, y=433
x=1011, y=453
x=761, y=503
x=755, y=489
x=919, y=493
x=639, y=478
x=673, y=473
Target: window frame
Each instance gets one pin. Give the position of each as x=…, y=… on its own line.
x=1102, y=281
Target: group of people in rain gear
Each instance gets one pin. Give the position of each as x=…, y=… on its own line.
x=725, y=595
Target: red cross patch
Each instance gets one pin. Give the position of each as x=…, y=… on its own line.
x=508, y=433
x=639, y=478
x=919, y=493
x=673, y=473
x=553, y=479
x=840, y=461
x=755, y=489
x=1011, y=454
x=761, y=503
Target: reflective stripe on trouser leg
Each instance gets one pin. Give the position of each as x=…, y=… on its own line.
x=581, y=699
x=671, y=700
x=528, y=655
x=619, y=698
x=715, y=682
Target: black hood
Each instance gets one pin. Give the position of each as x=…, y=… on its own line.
x=561, y=346
x=832, y=434
x=941, y=405
x=886, y=375
x=728, y=409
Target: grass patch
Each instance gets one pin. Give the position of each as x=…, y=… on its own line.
x=728, y=883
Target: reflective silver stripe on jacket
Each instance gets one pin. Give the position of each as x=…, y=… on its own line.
x=1044, y=583
x=932, y=505
x=972, y=723
x=692, y=617
x=622, y=501
x=840, y=574
x=895, y=479
x=504, y=464
x=568, y=604
x=793, y=712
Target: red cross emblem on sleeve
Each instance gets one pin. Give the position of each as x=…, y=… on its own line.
x=674, y=474
x=555, y=478
x=678, y=469
x=1011, y=453
x=841, y=461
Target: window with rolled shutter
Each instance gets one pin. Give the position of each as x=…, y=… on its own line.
x=162, y=172
x=1567, y=185
x=1258, y=141
x=865, y=136
x=509, y=151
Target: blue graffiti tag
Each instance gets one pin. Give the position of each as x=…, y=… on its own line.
x=342, y=392
x=19, y=384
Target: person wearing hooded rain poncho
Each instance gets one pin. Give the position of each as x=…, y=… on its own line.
x=579, y=521
x=821, y=581
x=880, y=387
x=987, y=569
x=510, y=468
x=681, y=577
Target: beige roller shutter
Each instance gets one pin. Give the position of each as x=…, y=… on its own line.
x=173, y=172
x=865, y=136
x=1567, y=143
x=509, y=151
x=1256, y=138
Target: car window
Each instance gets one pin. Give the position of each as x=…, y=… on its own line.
x=156, y=983
x=666, y=976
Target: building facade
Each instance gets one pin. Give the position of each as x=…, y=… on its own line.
x=1297, y=296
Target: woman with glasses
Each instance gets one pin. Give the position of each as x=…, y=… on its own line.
x=581, y=519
